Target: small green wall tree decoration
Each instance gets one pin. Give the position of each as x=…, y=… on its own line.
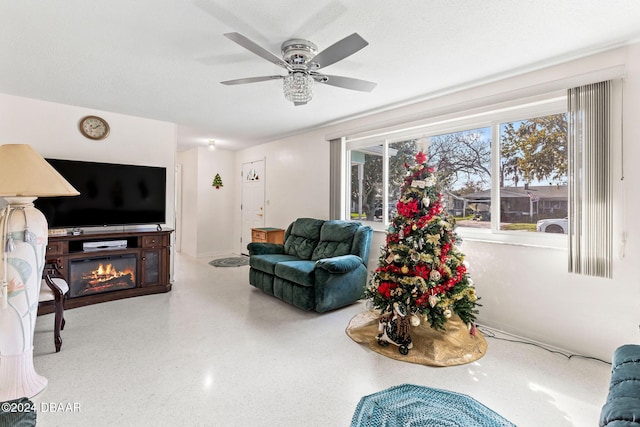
x=217, y=181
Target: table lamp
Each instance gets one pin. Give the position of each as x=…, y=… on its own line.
x=24, y=176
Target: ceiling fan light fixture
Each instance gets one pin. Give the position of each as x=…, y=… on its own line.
x=298, y=87
x=302, y=61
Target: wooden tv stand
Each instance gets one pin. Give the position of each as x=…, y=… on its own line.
x=150, y=248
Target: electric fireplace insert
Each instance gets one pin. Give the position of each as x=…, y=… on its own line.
x=102, y=274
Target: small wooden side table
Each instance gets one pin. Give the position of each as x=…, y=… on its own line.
x=267, y=235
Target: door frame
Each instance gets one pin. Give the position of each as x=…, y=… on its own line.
x=243, y=245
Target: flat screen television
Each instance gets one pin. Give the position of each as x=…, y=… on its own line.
x=110, y=194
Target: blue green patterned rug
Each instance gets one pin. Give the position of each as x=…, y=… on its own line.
x=235, y=261
x=410, y=405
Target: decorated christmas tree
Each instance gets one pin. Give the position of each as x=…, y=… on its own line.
x=421, y=273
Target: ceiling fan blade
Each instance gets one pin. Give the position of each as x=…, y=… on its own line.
x=255, y=48
x=346, y=82
x=339, y=50
x=251, y=80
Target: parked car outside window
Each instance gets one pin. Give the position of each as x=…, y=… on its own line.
x=553, y=225
x=391, y=210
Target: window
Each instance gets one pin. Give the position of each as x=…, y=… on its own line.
x=533, y=174
x=463, y=169
x=501, y=171
x=366, y=183
x=376, y=174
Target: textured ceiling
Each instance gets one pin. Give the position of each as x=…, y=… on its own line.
x=164, y=59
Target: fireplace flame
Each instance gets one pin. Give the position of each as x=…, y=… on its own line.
x=102, y=275
x=106, y=272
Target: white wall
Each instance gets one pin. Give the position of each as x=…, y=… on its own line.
x=215, y=206
x=525, y=290
x=207, y=213
x=52, y=130
x=296, y=185
x=188, y=230
x=296, y=179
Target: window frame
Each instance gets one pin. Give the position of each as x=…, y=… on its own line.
x=491, y=116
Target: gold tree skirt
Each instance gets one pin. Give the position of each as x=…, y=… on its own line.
x=455, y=346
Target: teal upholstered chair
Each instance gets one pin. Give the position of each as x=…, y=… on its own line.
x=622, y=408
x=321, y=266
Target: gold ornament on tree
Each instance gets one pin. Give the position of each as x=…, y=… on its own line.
x=415, y=320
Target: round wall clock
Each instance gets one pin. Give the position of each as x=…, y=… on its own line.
x=94, y=127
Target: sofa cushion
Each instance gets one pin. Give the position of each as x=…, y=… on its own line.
x=336, y=238
x=623, y=401
x=626, y=353
x=267, y=263
x=263, y=248
x=626, y=388
x=303, y=237
x=339, y=264
x=621, y=411
x=299, y=272
x=362, y=243
x=624, y=372
x=261, y=280
x=302, y=297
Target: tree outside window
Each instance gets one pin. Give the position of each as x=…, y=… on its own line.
x=463, y=169
x=533, y=173
x=367, y=196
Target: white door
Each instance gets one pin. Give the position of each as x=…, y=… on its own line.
x=252, y=210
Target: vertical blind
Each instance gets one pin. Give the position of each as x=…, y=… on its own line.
x=590, y=189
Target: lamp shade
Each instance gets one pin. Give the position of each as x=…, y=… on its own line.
x=24, y=172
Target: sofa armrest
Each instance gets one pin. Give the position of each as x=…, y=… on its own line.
x=340, y=264
x=260, y=248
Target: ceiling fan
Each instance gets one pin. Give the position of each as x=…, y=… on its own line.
x=301, y=60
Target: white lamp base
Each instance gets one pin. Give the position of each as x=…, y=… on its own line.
x=18, y=377
x=21, y=267
x=23, y=234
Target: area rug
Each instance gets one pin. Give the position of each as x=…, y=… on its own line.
x=235, y=261
x=411, y=405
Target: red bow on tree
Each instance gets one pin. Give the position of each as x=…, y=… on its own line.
x=421, y=158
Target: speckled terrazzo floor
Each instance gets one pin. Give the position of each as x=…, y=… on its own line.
x=217, y=352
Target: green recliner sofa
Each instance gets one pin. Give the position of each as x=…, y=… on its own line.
x=321, y=266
